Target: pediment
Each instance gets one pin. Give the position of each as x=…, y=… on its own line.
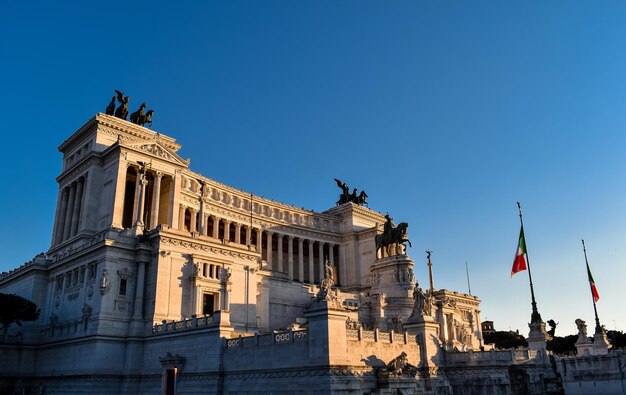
x=156, y=149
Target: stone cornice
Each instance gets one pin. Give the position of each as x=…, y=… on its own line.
x=119, y=125
x=361, y=211
x=200, y=246
x=78, y=170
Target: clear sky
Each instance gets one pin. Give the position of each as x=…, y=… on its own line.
x=446, y=113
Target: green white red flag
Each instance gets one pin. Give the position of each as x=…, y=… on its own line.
x=519, y=264
x=592, y=284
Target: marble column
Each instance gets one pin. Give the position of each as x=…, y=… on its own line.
x=248, y=235
x=227, y=230
x=321, y=263
x=216, y=227
x=311, y=263
x=68, y=212
x=77, y=206
x=280, y=252
x=290, y=257
x=300, y=259
x=269, y=249
x=61, y=215
x=156, y=197
x=181, y=217
x=259, y=240
x=331, y=257
x=193, y=221
x=341, y=266
x=136, y=201
x=142, y=193
x=141, y=270
x=237, y=233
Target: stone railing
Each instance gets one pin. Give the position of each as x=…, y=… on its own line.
x=283, y=337
x=493, y=357
x=38, y=259
x=184, y=325
x=377, y=336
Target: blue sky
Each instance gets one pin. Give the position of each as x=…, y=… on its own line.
x=446, y=113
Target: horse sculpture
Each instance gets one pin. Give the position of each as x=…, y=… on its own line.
x=396, y=237
x=139, y=115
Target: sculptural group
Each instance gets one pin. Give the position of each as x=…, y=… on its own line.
x=139, y=117
x=346, y=196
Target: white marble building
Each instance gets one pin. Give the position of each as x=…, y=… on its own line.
x=161, y=280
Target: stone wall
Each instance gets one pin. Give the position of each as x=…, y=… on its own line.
x=593, y=374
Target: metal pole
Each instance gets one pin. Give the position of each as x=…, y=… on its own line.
x=535, y=317
x=469, y=287
x=595, y=310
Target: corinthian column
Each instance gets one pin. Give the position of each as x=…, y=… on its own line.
x=300, y=259
x=68, y=212
x=141, y=202
x=290, y=257
x=311, y=264
x=280, y=252
x=77, y=203
x=156, y=197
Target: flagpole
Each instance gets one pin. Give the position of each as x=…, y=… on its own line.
x=469, y=287
x=535, y=317
x=593, y=299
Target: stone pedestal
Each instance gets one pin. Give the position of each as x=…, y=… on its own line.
x=327, y=332
x=600, y=343
x=426, y=332
x=538, y=336
x=393, y=277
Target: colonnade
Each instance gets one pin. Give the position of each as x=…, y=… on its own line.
x=70, y=210
x=302, y=259
x=143, y=207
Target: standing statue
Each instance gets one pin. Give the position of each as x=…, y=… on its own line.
x=110, y=110
x=122, y=110
x=419, y=301
x=325, y=293
x=582, y=329
x=138, y=116
x=553, y=325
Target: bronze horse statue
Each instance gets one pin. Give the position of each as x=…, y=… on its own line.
x=398, y=236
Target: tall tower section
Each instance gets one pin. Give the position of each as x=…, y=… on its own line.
x=115, y=175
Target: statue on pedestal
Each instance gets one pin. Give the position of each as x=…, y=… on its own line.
x=353, y=197
x=393, y=235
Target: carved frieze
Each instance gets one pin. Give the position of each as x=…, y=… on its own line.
x=206, y=248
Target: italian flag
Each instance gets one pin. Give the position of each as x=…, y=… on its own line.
x=592, y=284
x=519, y=264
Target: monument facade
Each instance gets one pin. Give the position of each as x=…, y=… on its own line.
x=161, y=280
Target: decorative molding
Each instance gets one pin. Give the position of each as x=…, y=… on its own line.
x=206, y=248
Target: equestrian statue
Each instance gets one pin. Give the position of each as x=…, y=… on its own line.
x=393, y=236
